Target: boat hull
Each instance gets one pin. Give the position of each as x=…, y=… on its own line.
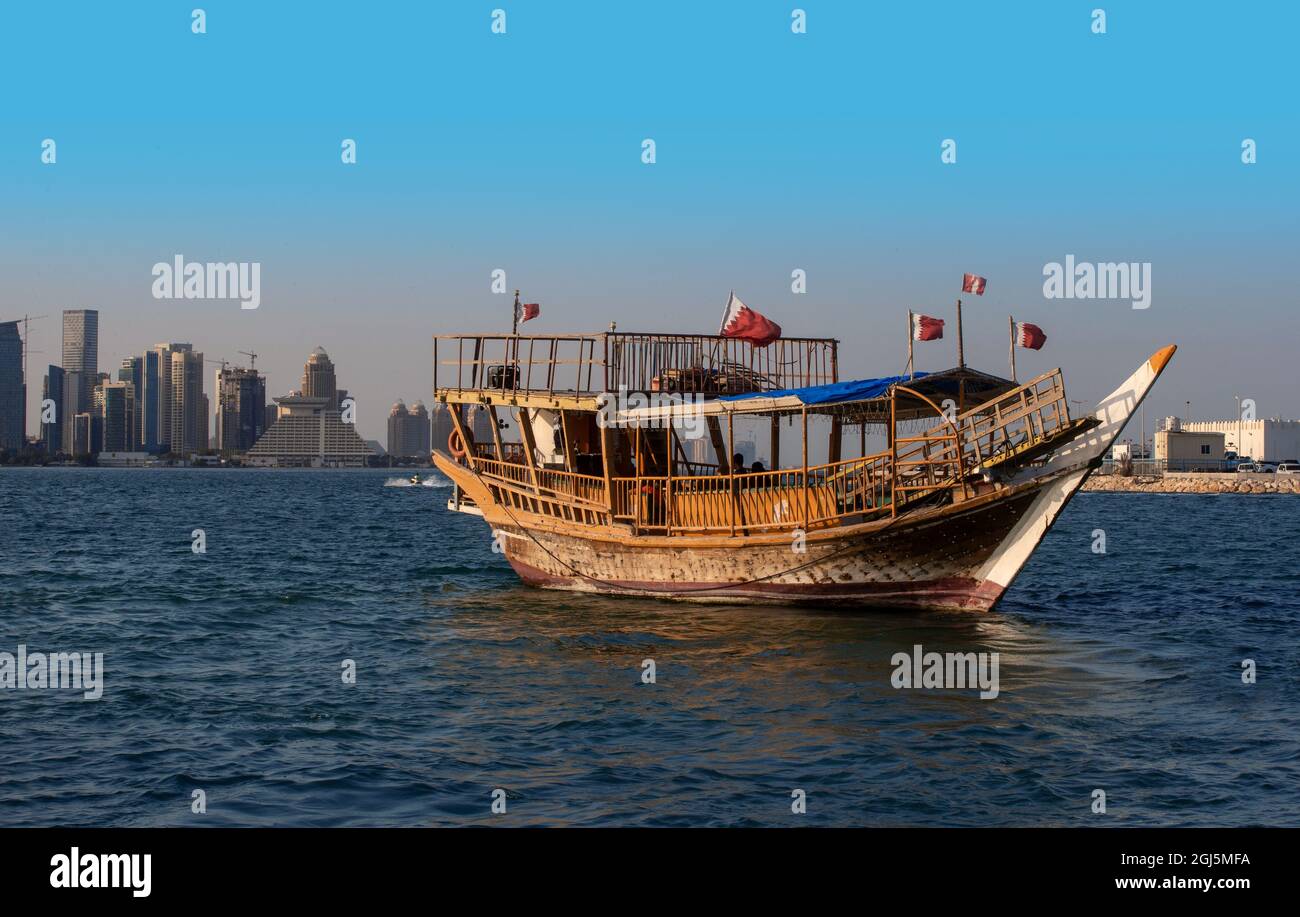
x=929, y=563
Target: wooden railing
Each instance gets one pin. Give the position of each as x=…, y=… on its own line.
x=943, y=459
x=1016, y=421
x=588, y=364
x=513, y=452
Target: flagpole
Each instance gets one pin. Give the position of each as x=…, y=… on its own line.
x=910, y=335
x=514, y=331
x=961, y=356
x=1011, y=349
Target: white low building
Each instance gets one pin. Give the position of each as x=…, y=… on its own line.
x=1263, y=440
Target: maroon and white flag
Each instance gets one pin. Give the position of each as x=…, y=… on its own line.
x=973, y=284
x=925, y=328
x=740, y=321
x=1030, y=336
x=528, y=310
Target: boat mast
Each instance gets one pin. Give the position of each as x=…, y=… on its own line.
x=961, y=356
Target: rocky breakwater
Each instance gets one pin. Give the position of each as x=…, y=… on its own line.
x=1197, y=484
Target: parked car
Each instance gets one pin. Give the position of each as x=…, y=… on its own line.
x=1289, y=467
x=1247, y=468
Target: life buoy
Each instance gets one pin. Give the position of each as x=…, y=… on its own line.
x=454, y=444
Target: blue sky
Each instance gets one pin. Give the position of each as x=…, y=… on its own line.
x=775, y=151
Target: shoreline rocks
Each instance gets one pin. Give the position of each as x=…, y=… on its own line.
x=1196, y=484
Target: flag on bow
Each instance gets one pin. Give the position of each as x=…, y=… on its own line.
x=925, y=328
x=1030, y=336
x=740, y=321
x=970, y=283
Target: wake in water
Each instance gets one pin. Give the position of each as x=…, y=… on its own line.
x=431, y=480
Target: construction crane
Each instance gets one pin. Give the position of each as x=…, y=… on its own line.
x=252, y=358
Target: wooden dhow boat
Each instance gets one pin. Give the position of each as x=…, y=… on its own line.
x=625, y=478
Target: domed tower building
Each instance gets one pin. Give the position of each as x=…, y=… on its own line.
x=396, y=429
x=408, y=431
x=309, y=429
x=318, y=379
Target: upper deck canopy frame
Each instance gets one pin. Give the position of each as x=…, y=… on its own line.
x=581, y=366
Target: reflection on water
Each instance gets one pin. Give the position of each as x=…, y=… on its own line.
x=1119, y=672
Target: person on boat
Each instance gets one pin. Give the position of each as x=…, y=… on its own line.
x=415, y=478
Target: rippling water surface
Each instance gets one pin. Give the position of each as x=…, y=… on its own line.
x=1119, y=671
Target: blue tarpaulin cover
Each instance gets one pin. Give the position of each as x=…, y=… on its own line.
x=835, y=393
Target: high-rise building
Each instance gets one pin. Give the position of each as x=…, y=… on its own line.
x=80, y=434
x=148, y=401
x=442, y=426
x=116, y=400
x=241, y=408
x=318, y=380
x=132, y=371
x=165, y=398
x=309, y=429
x=52, y=393
x=408, y=431
x=13, y=390
x=189, y=406
x=81, y=349
x=76, y=400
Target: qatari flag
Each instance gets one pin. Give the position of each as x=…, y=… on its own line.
x=973, y=284
x=925, y=328
x=740, y=321
x=1030, y=336
x=529, y=310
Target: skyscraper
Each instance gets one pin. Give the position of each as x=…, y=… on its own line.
x=115, y=411
x=241, y=408
x=408, y=431
x=148, y=401
x=13, y=391
x=76, y=400
x=442, y=426
x=163, y=390
x=188, y=404
x=318, y=380
x=132, y=371
x=81, y=346
x=80, y=434
x=52, y=392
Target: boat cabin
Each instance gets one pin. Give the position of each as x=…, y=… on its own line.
x=639, y=432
